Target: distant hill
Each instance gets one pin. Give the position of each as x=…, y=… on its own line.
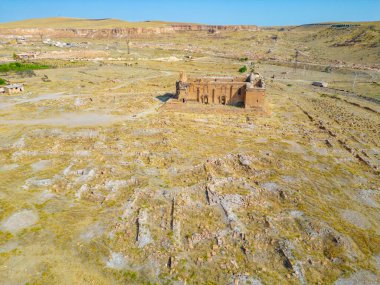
x=76, y=23
x=345, y=34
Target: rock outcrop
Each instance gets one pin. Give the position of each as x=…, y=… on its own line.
x=120, y=32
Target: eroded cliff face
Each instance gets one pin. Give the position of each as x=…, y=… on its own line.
x=121, y=32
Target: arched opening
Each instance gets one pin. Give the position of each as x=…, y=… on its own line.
x=205, y=99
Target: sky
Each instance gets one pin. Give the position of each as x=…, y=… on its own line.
x=219, y=12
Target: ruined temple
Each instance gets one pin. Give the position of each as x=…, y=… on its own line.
x=246, y=91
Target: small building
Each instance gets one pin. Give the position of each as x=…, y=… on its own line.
x=247, y=91
x=13, y=88
x=21, y=40
x=26, y=55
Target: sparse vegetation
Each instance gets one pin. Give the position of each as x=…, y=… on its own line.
x=26, y=73
x=17, y=66
x=328, y=69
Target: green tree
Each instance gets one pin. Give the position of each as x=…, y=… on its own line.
x=243, y=69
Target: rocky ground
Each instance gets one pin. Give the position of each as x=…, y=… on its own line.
x=104, y=181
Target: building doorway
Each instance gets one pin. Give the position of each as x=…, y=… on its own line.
x=223, y=100
x=205, y=99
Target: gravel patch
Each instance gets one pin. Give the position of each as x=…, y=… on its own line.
x=288, y=179
x=117, y=261
x=93, y=231
x=19, y=221
x=9, y=246
x=41, y=165
x=146, y=132
x=356, y=218
x=244, y=280
x=144, y=237
x=43, y=197
x=377, y=260
x=362, y=277
x=8, y=167
x=367, y=198
x=295, y=147
x=271, y=186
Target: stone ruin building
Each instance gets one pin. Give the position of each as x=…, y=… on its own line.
x=246, y=91
x=11, y=89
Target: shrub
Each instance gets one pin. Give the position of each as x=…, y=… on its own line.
x=17, y=66
x=26, y=73
x=243, y=69
x=2, y=81
x=252, y=67
x=328, y=69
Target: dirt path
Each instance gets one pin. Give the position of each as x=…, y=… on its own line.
x=7, y=102
x=77, y=119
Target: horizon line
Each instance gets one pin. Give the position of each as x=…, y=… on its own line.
x=173, y=22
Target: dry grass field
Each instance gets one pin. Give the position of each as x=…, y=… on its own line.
x=105, y=180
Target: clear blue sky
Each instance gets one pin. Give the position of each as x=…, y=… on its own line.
x=260, y=12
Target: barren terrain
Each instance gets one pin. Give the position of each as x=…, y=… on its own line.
x=106, y=180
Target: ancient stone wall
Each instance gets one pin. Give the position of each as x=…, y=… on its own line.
x=214, y=92
x=254, y=97
x=235, y=91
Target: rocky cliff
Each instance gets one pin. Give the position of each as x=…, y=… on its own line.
x=120, y=32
